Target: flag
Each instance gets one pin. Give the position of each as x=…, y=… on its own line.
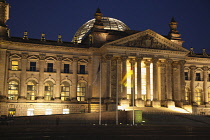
x=98, y=72
x=128, y=74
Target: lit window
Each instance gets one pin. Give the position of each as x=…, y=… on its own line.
x=31, y=91
x=12, y=111
x=198, y=96
x=65, y=111
x=49, y=67
x=65, y=89
x=82, y=69
x=13, y=90
x=15, y=65
x=66, y=68
x=48, y=91
x=32, y=66
x=81, y=90
x=30, y=112
x=48, y=112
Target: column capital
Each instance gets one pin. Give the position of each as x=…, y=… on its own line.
x=75, y=59
x=59, y=57
x=139, y=59
x=169, y=61
x=124, y=58
x=108, y=57
x=132, y=61
x=155, y=60
x=192, y=67
x=182, y=62
x=42, y=56
x=175, y=64
x=205, y=68
x=147, y=63
x=162, y=64
x=24, y=55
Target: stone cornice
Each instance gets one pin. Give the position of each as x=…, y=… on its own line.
x=197, y=59
x=157, y=36
x=109, y=47
x=43, y=47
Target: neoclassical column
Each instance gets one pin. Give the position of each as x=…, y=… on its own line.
x=23, y=76
x=124, y=72
x=119, y=77
x=58, y=78
x=148, y=96
x=169, y=79
x=139, y=94
x=132, y=62
x=205, y=80
x=104, y=77
x=182, y=80
x=74, y=79
x=155, y=79
x=162, y=66
x=108, y=86
x=41, y=76
x=176, y=81
x=192, y=84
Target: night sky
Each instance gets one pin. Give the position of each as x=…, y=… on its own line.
x=64, y=17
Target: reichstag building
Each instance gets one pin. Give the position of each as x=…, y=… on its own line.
x=106, y=62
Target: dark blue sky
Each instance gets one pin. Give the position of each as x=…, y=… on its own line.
x=64, y=17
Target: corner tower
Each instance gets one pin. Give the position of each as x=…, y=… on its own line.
x=4, y=16
x=174, y=34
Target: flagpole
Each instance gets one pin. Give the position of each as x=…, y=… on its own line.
x=117, y=96
x=100, y=95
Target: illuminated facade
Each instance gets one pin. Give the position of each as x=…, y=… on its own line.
x=105, y=58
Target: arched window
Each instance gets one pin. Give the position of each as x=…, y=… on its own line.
x=81, y=91
x=198, y=96
x=13, y=88
x=31, y=90
x=48, y=90
x=65, y=91
x=209, y=95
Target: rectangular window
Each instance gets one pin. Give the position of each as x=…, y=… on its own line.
x=198, y=77
x=209, y=77
x=30, y=112
x=48, y=112
x=49, y=67
x=15, y=65
x=65, y=111
x=32, y=66
x=186, y=75
x=82, y=69
x=66, y=68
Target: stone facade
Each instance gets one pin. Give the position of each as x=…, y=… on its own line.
x=144, y=68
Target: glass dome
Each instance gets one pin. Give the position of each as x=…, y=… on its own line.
x=109, y=24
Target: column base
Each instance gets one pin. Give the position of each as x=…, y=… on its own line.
x=156, y=104
x=21, y=99
x=40, y=99
x=148, y=103
x=179, y=104
x=140, y=103
x=170, y=104
x=3, y=98
x=124, y=103
x=57, y=99
x=74, y=100
x=108, y=100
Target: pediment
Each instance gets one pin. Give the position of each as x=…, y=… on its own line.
x=148, y=39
